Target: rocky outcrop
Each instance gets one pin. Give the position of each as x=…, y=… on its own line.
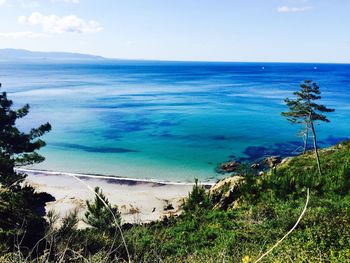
x=272, y=161
x=223, y=192
x=228, y=167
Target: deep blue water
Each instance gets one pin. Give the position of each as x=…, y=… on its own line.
x=169, y=120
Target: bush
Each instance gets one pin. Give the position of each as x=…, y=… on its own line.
x=198, y=200
x=101, y=215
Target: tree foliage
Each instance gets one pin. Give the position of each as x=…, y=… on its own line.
x=304, y=110
x=20, y=218
x=17, y=148
x=198, y=199
x=101, y=214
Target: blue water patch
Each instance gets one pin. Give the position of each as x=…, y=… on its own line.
x=170, y=120
x=92, y=149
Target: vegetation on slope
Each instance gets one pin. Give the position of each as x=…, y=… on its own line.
x=268, y=207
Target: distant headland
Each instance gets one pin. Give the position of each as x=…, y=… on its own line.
x=10, y=54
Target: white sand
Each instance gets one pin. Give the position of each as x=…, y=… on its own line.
x=138, y=201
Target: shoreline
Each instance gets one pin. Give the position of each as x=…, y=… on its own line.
x=110, y=178
x=139, y=201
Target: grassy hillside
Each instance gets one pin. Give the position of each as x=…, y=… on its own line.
x=269, y=206
x=236, y=222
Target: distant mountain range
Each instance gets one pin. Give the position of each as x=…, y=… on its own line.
x=9, y=54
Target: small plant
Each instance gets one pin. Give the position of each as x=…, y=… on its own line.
x=101, y=214
x=197, y=200
x=69, y=223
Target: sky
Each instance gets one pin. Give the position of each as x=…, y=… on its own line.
x=195, y=30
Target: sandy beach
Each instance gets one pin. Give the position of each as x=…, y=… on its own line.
x=139, y=201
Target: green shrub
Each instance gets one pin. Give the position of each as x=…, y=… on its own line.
x=101, y=215
x=198, y=200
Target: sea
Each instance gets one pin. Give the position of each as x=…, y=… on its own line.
x=169, y=121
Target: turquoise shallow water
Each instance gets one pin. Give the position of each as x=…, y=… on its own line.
x=169, y=120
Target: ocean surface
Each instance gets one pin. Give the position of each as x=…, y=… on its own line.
x=172, y=121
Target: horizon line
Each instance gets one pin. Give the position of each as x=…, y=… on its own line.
x=101, y=57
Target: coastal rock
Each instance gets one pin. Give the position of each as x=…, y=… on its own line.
x=228, y=167
x=272, y=161
x=223, y=192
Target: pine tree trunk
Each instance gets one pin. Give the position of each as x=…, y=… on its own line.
x=306, y=138
x=315, y=147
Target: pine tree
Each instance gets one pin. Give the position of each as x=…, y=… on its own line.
x=198, y=199
x=304, y=110
x=17, y=148
x=20, y=217
x=101, y=214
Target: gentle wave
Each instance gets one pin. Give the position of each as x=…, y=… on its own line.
x=117, y=179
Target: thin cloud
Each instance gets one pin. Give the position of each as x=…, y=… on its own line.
x=288, y=9
x=56, y=24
